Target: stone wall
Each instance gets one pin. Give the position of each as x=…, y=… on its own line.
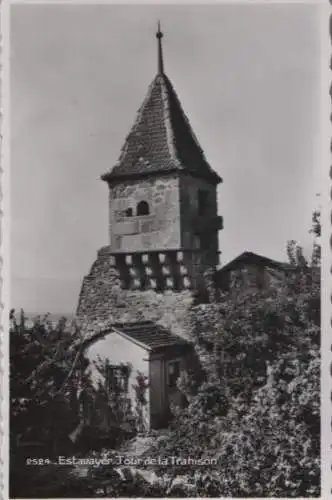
x=199, y=232
x=102, y=301
x=251, y=276
x=190, y=218
x=159, y=230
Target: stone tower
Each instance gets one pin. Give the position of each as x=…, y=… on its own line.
x=163, y=222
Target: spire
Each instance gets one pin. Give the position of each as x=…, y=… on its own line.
x=161, y=139
x=159, y=36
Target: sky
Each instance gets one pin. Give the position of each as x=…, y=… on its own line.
x=248, y=79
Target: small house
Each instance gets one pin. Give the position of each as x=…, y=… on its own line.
x=142, y=361
x=251, y=271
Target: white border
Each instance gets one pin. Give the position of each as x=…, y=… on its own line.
x=326, y=288
x=4, y=246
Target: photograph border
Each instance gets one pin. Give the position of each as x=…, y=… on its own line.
x=326, y=197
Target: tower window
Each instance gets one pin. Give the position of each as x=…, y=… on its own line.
x=205, y=242
x=142, y=208
x=202, y=201
x=129, y=212
x=197, y=242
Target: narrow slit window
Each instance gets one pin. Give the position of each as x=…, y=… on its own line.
x=202, y=201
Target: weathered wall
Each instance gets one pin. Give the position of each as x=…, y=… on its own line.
x=198, y=232
x=190, y=219
x=103, y=302
x=119, y=350
x=251, y=276
x=159, y=230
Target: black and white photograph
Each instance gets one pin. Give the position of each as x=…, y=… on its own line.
x=165, y=250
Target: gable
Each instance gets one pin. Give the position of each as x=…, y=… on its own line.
x=118, y=349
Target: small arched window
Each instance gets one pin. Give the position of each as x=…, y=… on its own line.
x=129, y=212
x=142, y=208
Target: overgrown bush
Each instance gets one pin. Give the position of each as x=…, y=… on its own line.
x=258, y=411
x=253, y=404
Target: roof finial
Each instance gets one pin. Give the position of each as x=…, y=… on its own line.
x=159, y=36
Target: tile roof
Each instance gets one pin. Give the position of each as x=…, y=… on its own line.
x=152, y=335
x=149, y=334
x=161, y=139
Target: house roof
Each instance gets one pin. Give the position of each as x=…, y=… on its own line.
x=147, y=334
x=161, y=139
x=246, y=258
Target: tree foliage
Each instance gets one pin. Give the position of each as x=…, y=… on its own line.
x=253, y=403
x=257, y=411
x=57, y=411
x=46, y=368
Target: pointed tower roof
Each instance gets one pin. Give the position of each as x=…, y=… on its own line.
x=161, y=139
